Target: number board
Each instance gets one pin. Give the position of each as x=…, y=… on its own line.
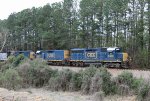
x=51, y=55
x=110, y=55
x=91, y=55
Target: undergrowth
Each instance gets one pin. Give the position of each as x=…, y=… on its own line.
x=20, y=72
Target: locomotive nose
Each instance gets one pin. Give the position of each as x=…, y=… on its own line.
x=125, y=57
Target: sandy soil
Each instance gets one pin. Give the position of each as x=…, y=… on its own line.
x=114, y=72
x=32, y=94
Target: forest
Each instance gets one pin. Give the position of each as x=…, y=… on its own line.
x=82, y=24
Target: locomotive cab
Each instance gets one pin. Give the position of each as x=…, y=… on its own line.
x=113, y=57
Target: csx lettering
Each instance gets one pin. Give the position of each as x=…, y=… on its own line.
x=91, y=55
x=51, y=55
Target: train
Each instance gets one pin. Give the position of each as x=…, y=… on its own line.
x=82, y=57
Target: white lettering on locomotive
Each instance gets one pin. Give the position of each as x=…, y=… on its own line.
x=91, y=54
x=51, y=55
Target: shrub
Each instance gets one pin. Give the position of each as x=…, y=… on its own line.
x=11, y=59
x=126, y=78
x=5, y=67
x=108, y=86
x=86, y=82
x=17, y=60
x=96, y=83
x=136, y=84
x=86, y=75
x=61, y=81
x=35, y=73
x=24, y=71
x=11, y=79
x=90, y=71
x=123, y=90
x=144, y=93
x=75, y=82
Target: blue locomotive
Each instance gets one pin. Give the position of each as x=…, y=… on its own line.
x=109, y=57
x=28, y=54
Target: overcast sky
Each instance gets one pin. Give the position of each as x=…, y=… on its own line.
x=9, y=6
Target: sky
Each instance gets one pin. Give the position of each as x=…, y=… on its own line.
x=9, y=6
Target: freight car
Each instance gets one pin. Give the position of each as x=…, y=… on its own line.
x=27, y=54
x=109, y=57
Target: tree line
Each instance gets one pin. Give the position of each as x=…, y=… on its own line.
x=83, y=24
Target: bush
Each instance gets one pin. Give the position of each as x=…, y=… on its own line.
x=108, y=86
x=54, y=84
x=96, y=83
x=86, y=75
x=123, y=90
x=5, y=67
x=94, y=80
x=17, y=60
x=90, y=71
x=86, y=82
x=75, y=82
x=35, y=73
x=61, y=81
x=126, y=78
x=144, y=93
x=11, y=59
x=10, y=79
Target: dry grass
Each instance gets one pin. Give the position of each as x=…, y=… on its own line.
x=44, y=95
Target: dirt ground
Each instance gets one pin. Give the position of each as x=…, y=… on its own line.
x=114, y=72
x=41, y=94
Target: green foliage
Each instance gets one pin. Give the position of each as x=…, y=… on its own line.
x=136, y=84
x=11, y=59
x=94, y=80
x=10, y=79
x=87, y=74
x=90, y=71
x=141, y=56
x=75, y=82
x=35, y=73
x=126, y=78
x=6, y=66
x=94, y=23
x=108, y=86
x=61, y=81
x=18, y=60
